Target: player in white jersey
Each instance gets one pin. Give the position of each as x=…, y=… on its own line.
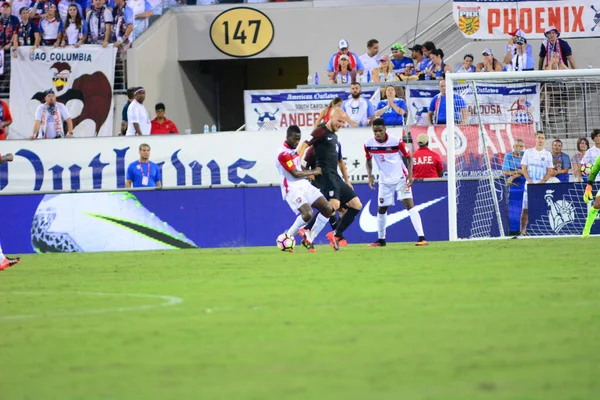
x=593, y=152
x=537, y=165
x=6, y=262
x=359, y=109
x=296, y=190
x=394, y=179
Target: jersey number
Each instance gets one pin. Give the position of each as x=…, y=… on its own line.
x=382, y=157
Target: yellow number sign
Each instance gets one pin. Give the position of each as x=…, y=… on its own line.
x=242, y=32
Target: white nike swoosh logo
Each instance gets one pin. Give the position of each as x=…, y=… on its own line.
x=329, y=138
x=368, y=222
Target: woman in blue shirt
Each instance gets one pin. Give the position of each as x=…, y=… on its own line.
x=392, y=109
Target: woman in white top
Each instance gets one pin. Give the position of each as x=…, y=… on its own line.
x=51, y=27
x=75, y=31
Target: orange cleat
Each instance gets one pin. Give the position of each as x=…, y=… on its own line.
x=343, y=242
x=421, y=242
x=4, y=264
x=333, y=241
x=13, y=261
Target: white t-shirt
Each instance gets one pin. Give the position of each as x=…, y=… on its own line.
x=370, y=63
x=359, y=110
x=48, y=127
x=388, y=157
x=537, y=163
x=590, y=157
x=136, y=112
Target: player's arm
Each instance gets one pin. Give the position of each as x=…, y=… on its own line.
x=591, y=179
x=286, y=161
x=6, y=158
x=406, y=154
x=548, y=175
x=316, y=135
x=369, y=165
x=344, y=170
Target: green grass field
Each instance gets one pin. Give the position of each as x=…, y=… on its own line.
x=475, y=320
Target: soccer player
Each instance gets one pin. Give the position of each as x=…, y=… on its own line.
x=593, y=210
x=394, y=179
x=6, y=262
x=324, y=140
x=296, y=190
x=592, y=153
x=537, y=166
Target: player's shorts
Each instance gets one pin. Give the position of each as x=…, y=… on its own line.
x=302, y=193
x=387, y=191
x=333, y=187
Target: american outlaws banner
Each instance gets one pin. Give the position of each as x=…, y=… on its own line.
x=494, y=19
x=267, y=110
x=81, y=78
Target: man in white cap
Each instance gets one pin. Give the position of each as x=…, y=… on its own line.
x=517, y=45
x=555, y=45
x=334, y=62
x=138, y=119
x=427, y=163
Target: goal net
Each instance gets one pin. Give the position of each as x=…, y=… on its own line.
x=496, y=117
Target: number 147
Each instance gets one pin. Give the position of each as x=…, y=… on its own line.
x=239, y=33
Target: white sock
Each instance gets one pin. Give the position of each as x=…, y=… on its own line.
x=298, y=223
x=381, y=221
x=1, y=254
x=415, y=218
x=318, y=226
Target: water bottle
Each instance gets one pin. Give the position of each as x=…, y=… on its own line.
x=427, y=76
x=338, y=78
x=316, y=78
x=309, y=80
x=368, y=76
x=381, y=77
x=206, y=128
x=213, y=128
x=590, y=66
x=438, y=74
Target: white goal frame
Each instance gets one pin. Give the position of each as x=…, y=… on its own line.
x=451, y=78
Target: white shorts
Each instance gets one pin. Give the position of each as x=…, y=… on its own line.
x=386, y=193
x=302, y=193
x=524, y=205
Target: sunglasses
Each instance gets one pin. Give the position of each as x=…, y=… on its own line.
x=486, y=54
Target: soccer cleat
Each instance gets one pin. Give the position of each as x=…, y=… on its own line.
x=342, y=242
x=333, y=241
x=4, y=264
x=421, y=241
x=13, y=261
x=312, y=249
x=303, y=231
x=378, y=243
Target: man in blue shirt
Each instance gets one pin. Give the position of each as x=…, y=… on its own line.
x=143, y=173
x=437, y=107
x=561, y=161
x=400, y=62
x=511, y=168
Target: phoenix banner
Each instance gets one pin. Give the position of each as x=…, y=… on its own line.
x=494, y=19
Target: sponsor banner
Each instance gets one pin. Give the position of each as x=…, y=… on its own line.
x=267, y=110
x=498, y=103
x=494, y=19
x=180, y=219
x=82, y=79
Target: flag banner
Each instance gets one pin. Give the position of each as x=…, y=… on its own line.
x=494, y=19
x=82, y=79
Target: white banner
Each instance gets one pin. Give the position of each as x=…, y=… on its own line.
x=267, y=110
x=485, y=19
x=82, y=79
x=498, y=103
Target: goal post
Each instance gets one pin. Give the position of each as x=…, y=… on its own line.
x=504, y=110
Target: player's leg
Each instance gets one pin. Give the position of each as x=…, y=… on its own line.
x=324, y=208
x=297, y=201
x=405, y=194
x=524, y=215
x=385, y=196
x=591, y=217
x=6, y=262
x=353, y=205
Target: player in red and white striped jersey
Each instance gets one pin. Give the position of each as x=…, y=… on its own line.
x=296, y=190
x=394, y=178
x=6, y=262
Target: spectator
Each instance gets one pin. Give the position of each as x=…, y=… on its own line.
x=512, y=170
x=427, y=163
x=27, y=33
x=130, y=93
x=511, y=46
x=385, y=72
x=428, y=47
x=437, y=107
x=593, y=152
x=50, y=118
x=39, y=9
x=519, y=55
x=75, y=32
x=582, y=146
x=355, y=62
x=123, y=24
x=161, y=125
x=138, y=119
x=142, y=11
x=17, y=5
x=555, y=45
x=561, y=161
x=344, y=73
x=409, y=74
x=420, y=62
x=359, y=109
x=489, y=64
x=8, y=26
x=467, y=65
x=63, y=10
x=438, y=68
x=143, y=173
x=556, y=63
x=99, y=20
x=324, y=115
x=398, y=60
x=51, y=27
x=370, y=60
x=391, y=109
x=5, y=119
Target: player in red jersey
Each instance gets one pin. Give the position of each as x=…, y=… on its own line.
x=6, y=262
x=394, y=179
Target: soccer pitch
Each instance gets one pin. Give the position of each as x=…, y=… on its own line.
x=513, y=319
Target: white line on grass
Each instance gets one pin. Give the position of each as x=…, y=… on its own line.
x=169, y=301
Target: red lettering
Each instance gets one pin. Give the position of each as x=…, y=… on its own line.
x=566, y=25
x=301, y=119
x=554, y=16
x=510, y=20
x=577, y=16
x=540, y=26
x=283, y=121
x=493, y=19
x=526, y=20
x=293, y=118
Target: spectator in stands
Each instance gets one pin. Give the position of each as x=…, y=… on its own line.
x=516, y=58
x=27, y=33
x=582, y=146
x=75, y=32
x=510, y=46
x=143, y=173
x=561, y=161
x=99, y=20
x=438, y=68
x=409, y=74
x=50, y=118
x=130, y=93
x=138, y=119
x=142, y=11
x=51, y=27
x=344, y=73
x=398, y=60
x=420, y=62
x=427, y=163
x=161, y=125
x=17, y=5
x=556, y=63
x=355, y=62
x=123, y=24
x=467, y=65
x=391, y=108
x=5, y=119
x=370, y=60
x=359, y=109
x=385, y=71
x=63, y=10
x=513, y=172
x=39, y=9
x=437, y=107
x=8, y=26
x=555, y=45
x=489, y=64
x=428, y=47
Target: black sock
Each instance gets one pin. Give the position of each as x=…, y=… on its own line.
x=310, y=223
x=334, y=221
x=346, y=221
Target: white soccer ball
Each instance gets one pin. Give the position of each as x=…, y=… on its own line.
x=285, y=242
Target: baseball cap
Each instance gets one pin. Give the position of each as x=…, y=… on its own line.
x=416, y=47
x=5, y=4
x=160, y=106
x=550, y=29
x=422, y=139
x=398, y=46
x=487, y=51
x=384, y=58
x=343, y=44
x=344, y=57
x=516, y=32
x=521, y=40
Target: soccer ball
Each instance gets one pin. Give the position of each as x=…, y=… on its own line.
x=285, y=242
x=586, y=169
